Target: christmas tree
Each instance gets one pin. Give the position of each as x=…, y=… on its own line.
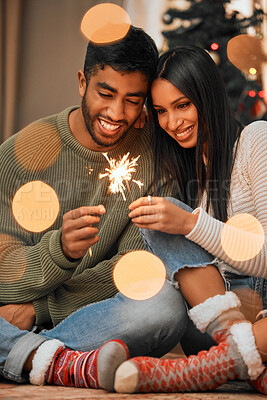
x=207, y=23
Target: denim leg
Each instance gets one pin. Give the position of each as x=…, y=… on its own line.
x=15, y=347
x=176, y=251
x=148, y=327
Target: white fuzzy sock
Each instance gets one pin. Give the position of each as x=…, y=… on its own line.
x=42, y=359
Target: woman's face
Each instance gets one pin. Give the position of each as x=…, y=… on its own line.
x=177, y=115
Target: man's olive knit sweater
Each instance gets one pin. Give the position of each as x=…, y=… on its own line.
x=32, y=265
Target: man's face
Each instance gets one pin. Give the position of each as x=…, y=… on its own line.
x=112, y=102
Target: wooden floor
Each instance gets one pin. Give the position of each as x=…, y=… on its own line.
x=11, y=391
x=230, y=391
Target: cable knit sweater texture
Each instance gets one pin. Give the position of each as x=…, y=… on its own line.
x=32, y=265
x=248, y=195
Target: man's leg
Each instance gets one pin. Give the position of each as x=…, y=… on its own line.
x=12, y=355
x=148, y=327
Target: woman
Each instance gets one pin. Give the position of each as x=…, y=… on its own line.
x=219, y=170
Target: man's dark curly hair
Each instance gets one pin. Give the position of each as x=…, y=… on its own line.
x=136, y=52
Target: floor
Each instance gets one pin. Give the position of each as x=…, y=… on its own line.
x=229, y=391
x=11, y=391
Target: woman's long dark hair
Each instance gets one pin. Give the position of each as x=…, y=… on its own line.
x=194, y=73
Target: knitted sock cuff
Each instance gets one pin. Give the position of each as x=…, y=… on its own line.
x=244, y=339
x=42, y=359
x=203, y=314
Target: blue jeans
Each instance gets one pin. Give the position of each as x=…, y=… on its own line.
x=149, y=327
x=177, y=252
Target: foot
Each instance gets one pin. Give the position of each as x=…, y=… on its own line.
x=110, y=356
x=54, y=364
x=205, y=371
x=261, y=382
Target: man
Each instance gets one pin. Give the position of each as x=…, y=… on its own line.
x=51, y=278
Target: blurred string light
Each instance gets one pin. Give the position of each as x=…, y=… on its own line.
x=105, y=24
x=242, y=237
x=35, y=206
x=252, y=71
x=252, y=93
x=214, y=46
x=139, y=275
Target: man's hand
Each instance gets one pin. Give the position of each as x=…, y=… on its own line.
x=20, y=315
x=78, y=230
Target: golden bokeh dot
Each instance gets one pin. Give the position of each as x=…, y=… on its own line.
x=245, y=52
x=139, y=275
x=38, y=146
x=105, y=24
x=247, y=239
x=35, y=206
x=12, y=259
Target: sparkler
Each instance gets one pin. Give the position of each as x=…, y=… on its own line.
x=119, y=172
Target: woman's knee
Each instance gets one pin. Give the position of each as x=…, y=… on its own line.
x=179, y=204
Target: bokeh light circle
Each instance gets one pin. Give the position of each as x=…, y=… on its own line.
x=246, y=52
x=13, y=259
x=38, y=146
x=35, y=206
x=139, y=275
x=105, y=23
x=247, y=239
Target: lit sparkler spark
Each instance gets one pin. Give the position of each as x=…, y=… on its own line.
x=119, y=172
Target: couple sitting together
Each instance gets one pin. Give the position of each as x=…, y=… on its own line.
x=62, y=320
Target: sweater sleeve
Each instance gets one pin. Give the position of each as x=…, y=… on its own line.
x=93, y=283
x=208, y=231
x=31, y=265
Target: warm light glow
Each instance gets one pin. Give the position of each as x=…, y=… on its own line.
x=252, y=71
x=35, y=206
x=261, y=94
x=119, y=172
x=12, y=259
x=252, y=93
x=214, y=46
x=242, y=237
x=245, y=52
x=139, y=275
x=37, y=147
x=105, y=23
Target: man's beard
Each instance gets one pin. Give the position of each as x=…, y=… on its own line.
x=89, y=125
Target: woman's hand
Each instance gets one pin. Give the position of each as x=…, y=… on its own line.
x=140, y=122
x=161, y=215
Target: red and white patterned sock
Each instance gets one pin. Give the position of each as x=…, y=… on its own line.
x=261, y=382
x=217, y=314
x=55, y=364
x=205, y=371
